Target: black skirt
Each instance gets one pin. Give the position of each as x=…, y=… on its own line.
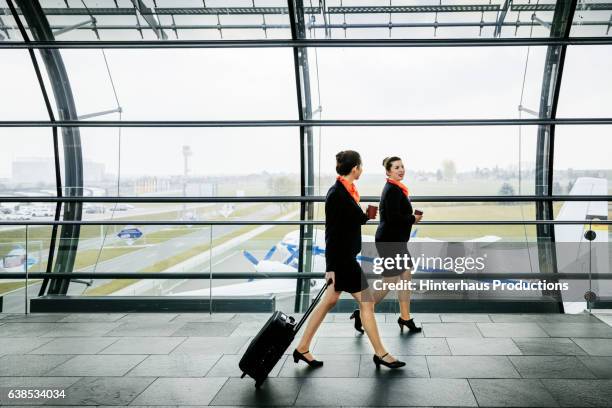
x=349, y=275
x=391, y=250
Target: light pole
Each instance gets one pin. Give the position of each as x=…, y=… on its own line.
x=186, y=154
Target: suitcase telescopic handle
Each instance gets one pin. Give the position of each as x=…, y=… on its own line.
x=312, y=306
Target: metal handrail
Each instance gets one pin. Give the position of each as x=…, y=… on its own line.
x=289, y=275
x=303, y=222
x=309, y=122
x=334, y=43
x=295, y=199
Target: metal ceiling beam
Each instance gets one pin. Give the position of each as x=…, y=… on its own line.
x=602, y=23
x=333, y=43
x=501, y=17
x=434, y=8
x=149, y=16
x=552, y=7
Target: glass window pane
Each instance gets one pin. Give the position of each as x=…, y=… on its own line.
x=192, y=161
x=413, y=83
x=587, y=84
x=471, y=160
x=21, y=98
x=185, y=84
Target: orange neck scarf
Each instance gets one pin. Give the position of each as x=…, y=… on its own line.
x=400, y=185
x=350, y=187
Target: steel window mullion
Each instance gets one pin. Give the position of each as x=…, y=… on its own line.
x=56, y=163
x=302, y=222
x=307, y=123
x=296, y=199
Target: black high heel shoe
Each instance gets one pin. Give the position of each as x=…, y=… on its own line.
x=297, y=356
x=357, y=316
x=412, y=328
x=379, y=360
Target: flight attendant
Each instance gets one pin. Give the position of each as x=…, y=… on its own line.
x=343, y=220
x=392, y=235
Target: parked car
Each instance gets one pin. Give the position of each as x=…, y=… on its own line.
x=19, y=216
x=122, y=207
x=42, y=212
x=95, y=209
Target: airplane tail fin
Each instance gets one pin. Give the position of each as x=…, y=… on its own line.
x=584, y=210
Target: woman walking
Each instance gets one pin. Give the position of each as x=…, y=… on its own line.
x=343, y=220
x=392, y=235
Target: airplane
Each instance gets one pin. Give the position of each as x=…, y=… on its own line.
x=571, y=210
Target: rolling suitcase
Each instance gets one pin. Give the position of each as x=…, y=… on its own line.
x=271, y=342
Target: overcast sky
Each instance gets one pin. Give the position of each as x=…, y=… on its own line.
x=356, y=83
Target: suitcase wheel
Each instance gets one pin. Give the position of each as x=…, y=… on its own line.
x=258, y=383
x=243, y=374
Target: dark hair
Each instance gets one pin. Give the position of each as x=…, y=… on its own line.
x=388, y=162
x=346, y=160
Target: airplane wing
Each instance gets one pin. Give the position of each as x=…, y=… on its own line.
x=253, y=288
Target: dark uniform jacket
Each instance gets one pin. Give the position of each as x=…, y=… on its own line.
x=343, y=221
x=396, y=217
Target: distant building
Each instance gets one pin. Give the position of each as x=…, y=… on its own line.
x=41, y=170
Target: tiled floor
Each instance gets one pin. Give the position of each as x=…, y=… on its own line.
x=192, y=360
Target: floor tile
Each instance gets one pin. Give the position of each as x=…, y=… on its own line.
x=335, y=365
x=425, y=317
x=355, y=392
x=592, y=330
x=600, y=366
x=92, y=317
x=212, y=345
x=548, y=346
x=103, y=391
x=465, y=318
x=595, y=347
x=605, y=318
x=29, y=365
x=471, y=367
x=511, y=393
x=74, y=345
x=206, y=329
x=451, y=330
x=180, y=391
x=174, y=365
x=80, y=329
x=159, y=318
x=204, y=317
x=550, y=367
x=227, y=366
x=147, y=329
x=416, y=367
x=97, y=366
x=511, y=330
x=33, y=317
x=543, y=318
x=580, y=393
x=21, y=345
x=273, y=392
x=143, y=345
x=405, y=345
x=25, y=329
x=482, y=347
